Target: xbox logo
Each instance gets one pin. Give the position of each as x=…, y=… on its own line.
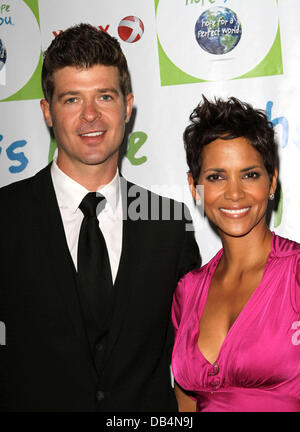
x=131, y=29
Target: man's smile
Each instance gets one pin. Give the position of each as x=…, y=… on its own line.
x=92, y=134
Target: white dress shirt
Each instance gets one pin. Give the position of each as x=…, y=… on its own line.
x=69, y=195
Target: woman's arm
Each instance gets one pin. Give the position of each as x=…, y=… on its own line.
x=185, y=402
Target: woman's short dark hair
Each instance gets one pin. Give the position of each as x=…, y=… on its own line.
x=228, y=119
x=83, y=46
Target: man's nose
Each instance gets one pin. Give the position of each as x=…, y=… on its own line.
x=90, y=111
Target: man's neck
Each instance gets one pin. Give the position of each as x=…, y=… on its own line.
x=92, y=177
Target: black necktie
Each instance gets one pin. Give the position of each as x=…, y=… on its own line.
x=94, y=273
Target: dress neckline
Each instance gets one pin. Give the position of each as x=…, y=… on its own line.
x=244, y=310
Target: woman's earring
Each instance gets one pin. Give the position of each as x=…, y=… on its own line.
x=271, y=197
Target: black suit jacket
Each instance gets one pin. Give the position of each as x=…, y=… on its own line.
x=46, y=364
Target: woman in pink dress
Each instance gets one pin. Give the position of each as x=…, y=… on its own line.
x=237, y=319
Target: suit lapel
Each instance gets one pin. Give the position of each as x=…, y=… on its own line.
x=122, y=287
x=52, y=231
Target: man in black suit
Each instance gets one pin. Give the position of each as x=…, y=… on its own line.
x=69, y=348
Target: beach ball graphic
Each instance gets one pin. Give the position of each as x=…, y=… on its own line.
x=131, y=29
x=218, y=30
x=3, y=55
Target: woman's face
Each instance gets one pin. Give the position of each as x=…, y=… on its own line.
x=236, y=185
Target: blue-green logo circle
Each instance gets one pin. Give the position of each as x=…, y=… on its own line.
x=3, y=55
x=218, y=30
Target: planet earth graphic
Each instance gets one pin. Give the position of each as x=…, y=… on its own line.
x=218, y=30
x=3, y=55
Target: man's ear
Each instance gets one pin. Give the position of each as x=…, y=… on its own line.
x=128, y=108
x=46, y=112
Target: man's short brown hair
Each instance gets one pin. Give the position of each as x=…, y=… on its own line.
x=83, y=46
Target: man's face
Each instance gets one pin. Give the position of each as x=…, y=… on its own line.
x=88, y=113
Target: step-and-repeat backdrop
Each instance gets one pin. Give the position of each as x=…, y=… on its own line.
x=177, y=50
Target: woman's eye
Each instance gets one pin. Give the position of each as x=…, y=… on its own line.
x=214, y=177
x=252, y=175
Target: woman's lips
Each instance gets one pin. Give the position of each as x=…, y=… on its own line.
x=235, y=213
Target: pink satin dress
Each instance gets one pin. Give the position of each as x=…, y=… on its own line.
x=258, y=365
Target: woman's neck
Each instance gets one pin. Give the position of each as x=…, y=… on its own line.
x=242, y=254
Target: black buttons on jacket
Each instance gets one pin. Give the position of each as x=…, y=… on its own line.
x=99, y=356
x=99, y=395
x=99, y=347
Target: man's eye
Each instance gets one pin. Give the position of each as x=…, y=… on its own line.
x=106, y=97
x=71, y=100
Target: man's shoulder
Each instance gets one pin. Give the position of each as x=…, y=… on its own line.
x=15, y=187
x=23, y=188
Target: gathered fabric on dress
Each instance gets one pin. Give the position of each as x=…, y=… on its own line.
x=258, y=365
